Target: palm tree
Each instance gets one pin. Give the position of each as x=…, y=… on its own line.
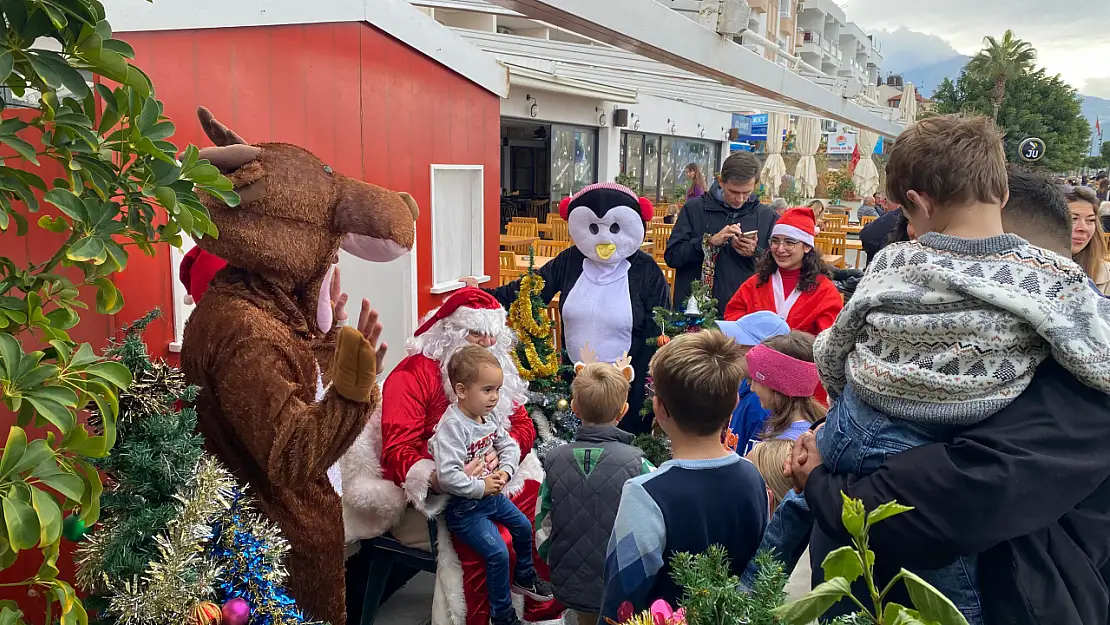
x=1001, y=61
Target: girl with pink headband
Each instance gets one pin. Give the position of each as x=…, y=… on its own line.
x=784, y=377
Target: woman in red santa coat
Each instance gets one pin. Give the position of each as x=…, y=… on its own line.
x=791, y=280
x=415, y=396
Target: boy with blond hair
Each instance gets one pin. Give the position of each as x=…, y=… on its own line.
x=578, y=500
x=705, y=495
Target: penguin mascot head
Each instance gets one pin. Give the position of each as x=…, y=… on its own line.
x=606, y=221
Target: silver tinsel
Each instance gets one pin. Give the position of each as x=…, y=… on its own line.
x=554, y=427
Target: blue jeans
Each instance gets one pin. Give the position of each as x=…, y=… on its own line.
x=857, y=439
x=472, y=521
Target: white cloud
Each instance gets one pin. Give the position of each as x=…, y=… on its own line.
x=1067, y=42
x=1098, y=87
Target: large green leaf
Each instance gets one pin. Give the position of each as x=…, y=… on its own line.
x=930, y=602
x=68, y=484
x=843, y=562
x=35, y=377
x=52, y=411
x=7, y=63
x=885, y=511
x=90, y=504
x=10, y=616
x=50, y=516
x=87, y=249
x=109, y=300
x=24, y=149
x=14, y=451
x=68, y=203
x=112, y=372
x=11, y=355
x=20, y=520
x=49, y=568
x=807, y=609
x=38, y=451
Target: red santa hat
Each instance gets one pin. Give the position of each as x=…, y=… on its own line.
x=196, y=272
x=470, y=308
x=799, y=224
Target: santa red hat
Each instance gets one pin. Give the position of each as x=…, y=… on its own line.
x=799, y=224
x=470, y=308
x=196, y=272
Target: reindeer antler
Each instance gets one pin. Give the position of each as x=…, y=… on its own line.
x=624, y=361
x=586, y=355
x=220, y=134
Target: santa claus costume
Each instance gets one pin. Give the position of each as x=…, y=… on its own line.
x=390, y=465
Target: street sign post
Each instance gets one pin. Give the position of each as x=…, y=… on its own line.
x=1031, y=150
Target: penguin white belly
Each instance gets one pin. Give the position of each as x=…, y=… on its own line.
x=599, y=314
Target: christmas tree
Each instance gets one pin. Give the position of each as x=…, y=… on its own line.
x=178, y=537
x=539, y=362
x=697, y=313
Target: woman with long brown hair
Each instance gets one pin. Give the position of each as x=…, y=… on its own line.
x=697, y=181
x=1088, y=247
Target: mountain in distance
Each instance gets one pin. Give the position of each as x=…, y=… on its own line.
x=928, y=77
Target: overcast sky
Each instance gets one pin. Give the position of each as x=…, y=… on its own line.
x=1072, y=37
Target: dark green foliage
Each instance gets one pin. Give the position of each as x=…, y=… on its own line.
x=1036, y=105
x=712, y=595
x=156, y=454
x=655, y=447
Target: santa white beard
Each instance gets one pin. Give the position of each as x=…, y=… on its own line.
x=445, y=338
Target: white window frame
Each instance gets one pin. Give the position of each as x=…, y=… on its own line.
x=181, y=310
x=477, y=232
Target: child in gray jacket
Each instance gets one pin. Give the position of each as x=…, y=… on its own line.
x=582, y=489
x=463, y=434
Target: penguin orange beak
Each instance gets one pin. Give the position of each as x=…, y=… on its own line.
x=605, y=250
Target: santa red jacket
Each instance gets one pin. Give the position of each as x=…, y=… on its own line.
x=413, y=402
x=813, y=312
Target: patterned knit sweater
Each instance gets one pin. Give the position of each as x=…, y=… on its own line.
x=950, y=330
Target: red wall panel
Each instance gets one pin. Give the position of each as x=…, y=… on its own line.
x=359, y=99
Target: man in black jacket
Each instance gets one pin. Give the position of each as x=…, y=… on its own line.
x=730, y=220
x=1028, y=489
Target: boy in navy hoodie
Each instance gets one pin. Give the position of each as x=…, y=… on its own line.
x=747, y=420
x=682, y=507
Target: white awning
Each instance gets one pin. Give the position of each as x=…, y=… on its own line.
x=605, y=65
x=554, y=82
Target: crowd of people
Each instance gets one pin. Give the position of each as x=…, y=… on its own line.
x=982, y=303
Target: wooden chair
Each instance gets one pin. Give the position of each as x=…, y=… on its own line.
x=659, y=236
x=537, y=207
x=556, y=320
x=553, y=217
x=560, y=231
x=866, y=219
x=668, y=273
x=1106, y=238
x=834, y=223
x=831, y=242
x=526, y=220
x=521, y=229
x=551, y=249
x=385, y=552
x=507, y=261
x=509, y=275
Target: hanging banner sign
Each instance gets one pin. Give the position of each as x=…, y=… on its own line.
x=841, y=143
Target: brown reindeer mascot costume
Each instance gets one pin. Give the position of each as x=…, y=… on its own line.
x=253, y=341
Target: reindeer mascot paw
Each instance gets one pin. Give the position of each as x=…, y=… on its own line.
x=252, y=343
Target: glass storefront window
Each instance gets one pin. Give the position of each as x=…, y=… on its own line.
x=573, y=160
x=651, y=167
x=658, y=162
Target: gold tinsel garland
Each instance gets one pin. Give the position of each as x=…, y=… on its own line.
x=181, y=576
x=522, y=318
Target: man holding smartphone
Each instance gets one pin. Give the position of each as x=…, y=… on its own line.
x=729, y=223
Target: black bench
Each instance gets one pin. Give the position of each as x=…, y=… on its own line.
x=391, y=566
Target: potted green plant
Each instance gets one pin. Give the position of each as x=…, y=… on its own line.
x=123, y=188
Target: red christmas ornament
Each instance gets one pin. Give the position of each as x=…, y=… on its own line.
x=206, y=613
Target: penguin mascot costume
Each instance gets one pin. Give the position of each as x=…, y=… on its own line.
x=608, y=285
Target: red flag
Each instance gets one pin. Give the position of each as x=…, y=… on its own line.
x=855, y=159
